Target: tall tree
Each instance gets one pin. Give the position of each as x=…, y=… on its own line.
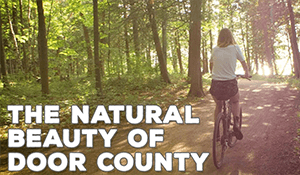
x=162, y=64
x=164, y=32
x=96, y=48
x=88, y=47
x=126, y=38
x=134, y=18
x=196, y=89
x=2, y=56
x=43, y=48
x=293, y=39
x=178, y=51
x=24, y=60
x=13, y=32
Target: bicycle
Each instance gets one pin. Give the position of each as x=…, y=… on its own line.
x=224, y=136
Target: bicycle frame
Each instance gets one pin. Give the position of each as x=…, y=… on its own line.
x=228, y=138
x=226, y=120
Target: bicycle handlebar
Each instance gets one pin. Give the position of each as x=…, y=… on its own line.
x=243, y=76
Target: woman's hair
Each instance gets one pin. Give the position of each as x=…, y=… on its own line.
x=225, y=38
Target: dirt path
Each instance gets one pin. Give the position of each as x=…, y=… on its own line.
x=269, y=127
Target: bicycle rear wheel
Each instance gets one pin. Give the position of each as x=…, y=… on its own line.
x=219, y=146
x=232, y=138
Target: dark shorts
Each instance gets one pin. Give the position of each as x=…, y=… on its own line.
x=224, y=90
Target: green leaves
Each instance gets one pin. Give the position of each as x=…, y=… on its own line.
x=68, y=52
x=22, y=39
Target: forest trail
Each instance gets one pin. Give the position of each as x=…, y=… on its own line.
x=269, y=128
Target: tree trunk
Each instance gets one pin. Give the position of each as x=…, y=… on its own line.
x=210, y=47
x=128, y=62
x=162, y=64
x=149, y=55
x=268, y=49
x=24, y=60
x=43, y=49
x=174, y=58
x=178, y=50
x=108, y=68
x=164, y=35
x=88, y=47
x=103, y=41
x=12, y=32
x=290, y=54
x=15, y=17
x=49, y=17
x=256, y=63
x=196, y=89
x=294, y=43
x=30, y=39
x=96, y=48
x=135, y=30
x=248, y=45
x=2, y=57
x=204, y=57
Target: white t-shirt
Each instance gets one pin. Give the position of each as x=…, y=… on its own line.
x=224, y=62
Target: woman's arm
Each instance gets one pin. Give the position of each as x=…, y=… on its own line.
x=211, y=66
x=245, y=67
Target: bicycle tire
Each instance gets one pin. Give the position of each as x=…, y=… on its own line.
x=219, y=147
x=233, y=139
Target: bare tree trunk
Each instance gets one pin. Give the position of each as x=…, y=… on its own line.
x=196, y=89
x=12, y=32
x=162, y=64
x=174, y=58
x=128, y=62
x=2, y=57
x=290, y=54
x=24, y=60
x=30, y=53
x=268, y=49
x=247, y=46
x=48, y=28
x=15, y=17
x=149, y=55
x=294, y=43
x=88, y=48
x=273, y=59
x=135, y=30
x=96, y=48
x=43, y=49
x=204, y=57
x=211, y=45
x=164, y=34
x=178, y=49
x=256, y=62
x=108, y=68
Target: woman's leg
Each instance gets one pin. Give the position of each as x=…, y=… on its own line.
x=235, y=107
x=218, y=108
x=235, y=104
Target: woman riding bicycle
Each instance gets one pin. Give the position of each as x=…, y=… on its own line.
x=224, y=84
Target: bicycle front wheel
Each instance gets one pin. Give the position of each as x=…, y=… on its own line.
x=219, y=146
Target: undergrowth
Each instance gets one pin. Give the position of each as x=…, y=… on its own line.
x=127, y=90
x=292, y=81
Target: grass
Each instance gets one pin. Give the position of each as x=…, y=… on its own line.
x=292, y=81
